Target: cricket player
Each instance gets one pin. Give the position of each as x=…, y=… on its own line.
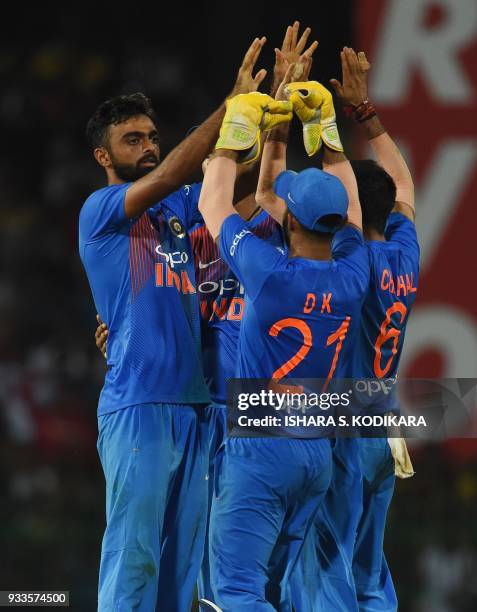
x=267, y=490
x=319, y=127
x=346, y=569
x=387, y=190
x=153, y=431
x=221, y=293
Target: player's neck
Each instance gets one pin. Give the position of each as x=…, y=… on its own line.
x=372, y=234
x=310, y=248
x=113, y=178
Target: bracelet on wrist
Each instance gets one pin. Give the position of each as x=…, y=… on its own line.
x=362, y=112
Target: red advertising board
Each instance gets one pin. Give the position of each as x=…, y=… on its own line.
x=424, y=83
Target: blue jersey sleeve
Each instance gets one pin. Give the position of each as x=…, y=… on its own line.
x=402, y=230
x=103, y=212
x=185, y=204
x=348, y=248
x=348, y=245
x=191, y=203
x=251, y=259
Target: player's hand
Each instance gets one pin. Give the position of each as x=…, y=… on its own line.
x=101, y=336
x=296, y=72
x=246, y=82
x=292, y=52
x=355, y=68
x=246, y=116
x=313, y=105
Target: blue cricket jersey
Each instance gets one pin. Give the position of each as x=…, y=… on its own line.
x=222, y=301
x=302, y=315
x=141, y=274
x=394, y=272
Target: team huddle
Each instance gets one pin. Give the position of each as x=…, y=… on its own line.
x=257, y=272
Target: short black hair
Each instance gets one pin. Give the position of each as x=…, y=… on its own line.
x=332, y=221
x=114, y=111
x=377, y=193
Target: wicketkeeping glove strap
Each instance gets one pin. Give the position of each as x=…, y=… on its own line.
x=330, y=132
x=312, y=136
x=237, y=133
x=331, y=136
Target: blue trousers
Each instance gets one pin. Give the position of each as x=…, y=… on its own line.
x=267, y=492
x=217, y=430
x=154, y=458
x=323, y=578
x=373, y=580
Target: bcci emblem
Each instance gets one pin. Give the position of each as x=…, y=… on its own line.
x=176, y=227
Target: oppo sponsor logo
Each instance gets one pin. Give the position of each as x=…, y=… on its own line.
x=372, y=386
x=222, y=286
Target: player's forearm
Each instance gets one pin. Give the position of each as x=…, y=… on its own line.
x=247, y=178
x=373, y=127
x=273, y=163
x=390, y=158
x=176, y=169
x=216, y=195
x=337, y=164
x=246, y=181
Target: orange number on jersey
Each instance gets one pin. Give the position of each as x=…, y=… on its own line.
x=338, y=336
x=387, y=333
x=276, y=328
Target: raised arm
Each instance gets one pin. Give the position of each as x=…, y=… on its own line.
x=291, y=64
x=336, y=163
x=183, y=161
x=239, y=141
x=216, y=195
x=313, y=104
x=354, y=94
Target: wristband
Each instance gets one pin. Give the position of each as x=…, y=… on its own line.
x=362, y=112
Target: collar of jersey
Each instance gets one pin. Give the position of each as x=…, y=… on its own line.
x=262, y=215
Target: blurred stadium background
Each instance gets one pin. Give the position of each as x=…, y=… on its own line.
x=55, y=68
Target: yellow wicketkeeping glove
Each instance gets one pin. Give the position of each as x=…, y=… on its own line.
x=313, y=105
x=402, y=461
x=246, y=116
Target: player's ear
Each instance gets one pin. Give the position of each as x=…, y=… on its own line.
x=102, y=156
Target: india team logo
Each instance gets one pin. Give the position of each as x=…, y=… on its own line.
x=176, y=227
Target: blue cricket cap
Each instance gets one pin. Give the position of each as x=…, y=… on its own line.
x=311, y=195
